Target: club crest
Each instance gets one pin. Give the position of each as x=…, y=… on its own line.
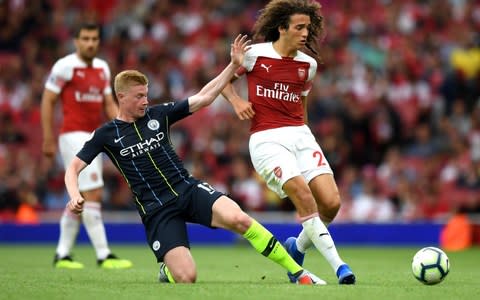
x=302, y=73
x=153, y=125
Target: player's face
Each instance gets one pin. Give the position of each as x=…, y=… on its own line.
x=87, y=44
x=135, y=101
x=297, y=32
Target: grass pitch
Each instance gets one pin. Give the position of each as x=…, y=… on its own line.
x=237, y=272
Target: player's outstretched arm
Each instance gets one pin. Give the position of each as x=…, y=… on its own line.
x=212, y=89
x=243, y=109
x=75, y=204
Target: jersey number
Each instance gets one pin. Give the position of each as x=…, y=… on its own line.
x=320, y=158
x=206, y=187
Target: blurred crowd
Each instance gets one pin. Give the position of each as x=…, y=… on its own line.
x=395, y=105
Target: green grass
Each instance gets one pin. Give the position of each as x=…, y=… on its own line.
x=236, y=272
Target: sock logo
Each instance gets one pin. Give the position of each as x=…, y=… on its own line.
x=322, y=234
x=272, y=243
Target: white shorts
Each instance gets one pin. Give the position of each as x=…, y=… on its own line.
x=283, y=153
x=69, y=145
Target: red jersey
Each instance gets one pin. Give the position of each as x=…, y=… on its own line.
x=82, y=89
x=276, y=85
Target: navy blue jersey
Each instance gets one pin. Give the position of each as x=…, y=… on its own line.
x=143, y=153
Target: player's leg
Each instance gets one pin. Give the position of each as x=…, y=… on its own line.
x=178, y=266
x=327, y=197
x=69, y=227
x=90, y=183
x=69, y=222
x=273, y=156
x=316, y=170
x=227, y=214
x=166, y=233
x=299, y=192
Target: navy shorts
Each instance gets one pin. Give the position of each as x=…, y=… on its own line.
x=167, y=228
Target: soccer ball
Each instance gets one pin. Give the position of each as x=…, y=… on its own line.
x=430, y=265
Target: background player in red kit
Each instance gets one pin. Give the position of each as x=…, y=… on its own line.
x=282, y=147
x=82, y=82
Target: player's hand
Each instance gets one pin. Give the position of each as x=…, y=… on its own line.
x=48, y=148
x=75, y=205
x=238, y=49
x=243, y=109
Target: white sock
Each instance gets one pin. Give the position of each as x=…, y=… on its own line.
x=303, y=241
x=69, y=226
x=319, y=235
x=92, y=220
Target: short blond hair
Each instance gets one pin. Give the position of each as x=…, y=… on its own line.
x=128, y=78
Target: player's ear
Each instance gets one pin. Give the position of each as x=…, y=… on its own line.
x=120, y=96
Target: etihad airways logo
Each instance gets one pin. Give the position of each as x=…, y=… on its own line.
x=144, y=146
x=280, y=91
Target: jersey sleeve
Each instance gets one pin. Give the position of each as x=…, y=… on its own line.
x=92, y=147
x=108, y=88
x=60, y=74
x=240, y=72
x=175, y=111
x=312, y=71
x=249, y=60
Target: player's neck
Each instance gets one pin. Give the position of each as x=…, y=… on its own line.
x=87, y=61
x=125, y=118
x=283, y=49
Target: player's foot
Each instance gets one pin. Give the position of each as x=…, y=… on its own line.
x=291, y=247
x=164, y=276
x=307, y=278
x=113, y=262
x=345, y=275
x=66, y=262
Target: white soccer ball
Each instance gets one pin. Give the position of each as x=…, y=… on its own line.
x=430, y=265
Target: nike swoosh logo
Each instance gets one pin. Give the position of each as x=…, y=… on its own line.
x=118, y=140
x=322, y=234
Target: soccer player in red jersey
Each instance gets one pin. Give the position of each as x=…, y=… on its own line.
x=282, y=147
x=82, y=83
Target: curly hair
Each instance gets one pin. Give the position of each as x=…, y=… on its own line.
x=277, y=14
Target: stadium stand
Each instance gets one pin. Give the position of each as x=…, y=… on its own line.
x=396, y=105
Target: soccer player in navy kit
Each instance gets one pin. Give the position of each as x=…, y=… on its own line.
x=165, y=194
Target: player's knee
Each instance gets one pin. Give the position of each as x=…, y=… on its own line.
x=329, y=209
x=240, y=222
x=185, y=276
x=334, y=204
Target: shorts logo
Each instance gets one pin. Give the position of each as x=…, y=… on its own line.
x=156, y=245
x=278, y=172
x=153, y=125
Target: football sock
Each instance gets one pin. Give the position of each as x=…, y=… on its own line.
x=304, y=242
x=319, y=235
x=267, y=245
x=69, y=227
x=168, y=274
x=92, y=219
